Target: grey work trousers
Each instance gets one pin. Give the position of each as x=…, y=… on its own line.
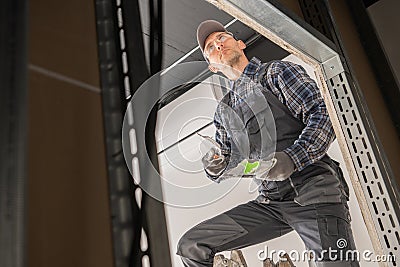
x=320, y=226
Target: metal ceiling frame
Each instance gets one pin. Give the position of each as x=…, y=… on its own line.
x=365, y=161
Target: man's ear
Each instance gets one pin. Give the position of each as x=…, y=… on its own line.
x=241, y=44
x=213, y=68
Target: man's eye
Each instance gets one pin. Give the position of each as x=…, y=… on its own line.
x=222, y=38
x=211, y=49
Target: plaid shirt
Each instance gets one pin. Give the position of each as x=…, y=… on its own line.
x=290, y=83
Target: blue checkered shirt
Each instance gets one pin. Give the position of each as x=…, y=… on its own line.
x=291, y=84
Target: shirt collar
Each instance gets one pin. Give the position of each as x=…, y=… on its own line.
x=249, y=71
x=240, y=88
x=252, y=67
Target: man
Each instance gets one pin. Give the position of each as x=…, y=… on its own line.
x=305, y=191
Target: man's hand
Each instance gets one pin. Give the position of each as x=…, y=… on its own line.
x=283, y=168
x=214, y=162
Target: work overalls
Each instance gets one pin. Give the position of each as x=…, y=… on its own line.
x=313, y=202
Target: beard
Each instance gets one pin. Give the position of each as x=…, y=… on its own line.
x=231, y=59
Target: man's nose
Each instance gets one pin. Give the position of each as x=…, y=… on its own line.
x=218, y=44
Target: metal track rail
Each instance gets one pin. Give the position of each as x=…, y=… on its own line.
x=138, y=226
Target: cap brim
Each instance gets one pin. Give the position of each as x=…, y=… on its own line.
x=205, y=29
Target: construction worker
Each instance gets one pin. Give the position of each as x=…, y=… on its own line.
x=304, y=191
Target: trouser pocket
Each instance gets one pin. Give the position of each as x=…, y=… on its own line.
x=336, y=237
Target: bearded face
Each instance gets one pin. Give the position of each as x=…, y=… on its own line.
x=222, y=48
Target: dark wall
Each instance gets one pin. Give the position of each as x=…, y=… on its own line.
x=69, y=218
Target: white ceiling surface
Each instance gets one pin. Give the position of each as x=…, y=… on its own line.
x=190, y=111
x=181, y=167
